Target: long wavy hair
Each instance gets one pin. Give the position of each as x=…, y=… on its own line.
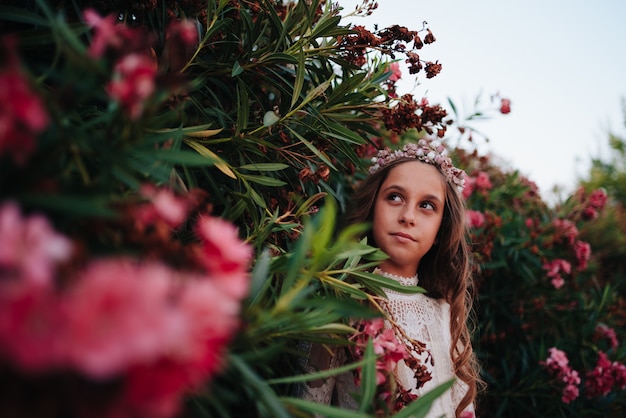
x=444, y=271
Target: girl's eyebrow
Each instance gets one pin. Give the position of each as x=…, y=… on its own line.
x=403, y=190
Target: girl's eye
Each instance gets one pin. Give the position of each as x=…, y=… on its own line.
x=428, y=205
x=394, y=197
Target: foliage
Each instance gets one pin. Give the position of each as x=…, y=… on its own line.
x=137, y=136
x=539, y=294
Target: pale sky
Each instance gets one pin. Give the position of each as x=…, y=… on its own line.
x=561, y=62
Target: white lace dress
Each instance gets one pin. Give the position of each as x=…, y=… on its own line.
x=424, y=319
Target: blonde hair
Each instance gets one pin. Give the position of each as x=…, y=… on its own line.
x=444, y=271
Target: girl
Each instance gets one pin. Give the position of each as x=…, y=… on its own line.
x=411, y=197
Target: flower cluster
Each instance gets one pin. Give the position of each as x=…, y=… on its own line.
x=557, y=365
x=555, y=268
x=411, y=114
x=119, y=319
x=426, y=151
x=605, y=377
x=390, y=350
x=22, y=114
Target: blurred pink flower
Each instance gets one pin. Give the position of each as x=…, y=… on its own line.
x=598, y=199
x=184, y=30
x=22, y=112
x=470, y=183
x=583, y=252
x=396, y=72
x=474, y=218
x=604, y=331
x=554, y=269
x=133, y=82
x=482, y=181
x=505, y=106
x=118, y=313
x=30, y=249
x=557, y=365
x=108, y=33
x=29, y=325
x=565, y=229
x=164, y=205
x=224, y=255
x=600, y=380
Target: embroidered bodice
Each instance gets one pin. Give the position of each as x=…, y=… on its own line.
x=424, y=319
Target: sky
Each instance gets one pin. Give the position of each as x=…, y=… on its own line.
x=562, y=63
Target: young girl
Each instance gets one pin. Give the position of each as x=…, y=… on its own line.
x=412, y=200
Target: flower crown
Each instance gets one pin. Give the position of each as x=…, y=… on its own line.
x=426, y=151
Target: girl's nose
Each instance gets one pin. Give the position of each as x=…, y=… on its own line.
x=407, y=217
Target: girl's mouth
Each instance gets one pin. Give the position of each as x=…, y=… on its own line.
x=403, y=235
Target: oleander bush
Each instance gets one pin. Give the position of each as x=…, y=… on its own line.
x=173, y=175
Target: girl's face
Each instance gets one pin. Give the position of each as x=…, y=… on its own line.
x=407, y=215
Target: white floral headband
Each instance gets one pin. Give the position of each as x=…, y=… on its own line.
x=426, y=151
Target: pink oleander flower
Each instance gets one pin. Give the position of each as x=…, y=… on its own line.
x=386, y=346
x=133, y=82
x=184, y=30
x=606, y=332
x=470, y=184
x=22, y=112
x=29, y=327
x=583, y=253
x=555, y=268
x=600, y=380
x=565, y=229
x=474, y=218
x=109, y=35
x=505, y=106
x=207, y=320
x=598, y=199
x=557, y=365
x=118, y=314
x=482, y=181
x=30, y=249
x=164, y=205
x=223, y=254
x=396, y=72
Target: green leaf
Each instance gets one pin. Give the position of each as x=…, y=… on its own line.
x=368, y=377
x=300, y=72
x=237, y=69
x=264, y=166
x=420, y=407
x=263, y=180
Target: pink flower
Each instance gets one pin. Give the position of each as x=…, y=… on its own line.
x=570, y=393
x=583, y=252
x=600, y=380
x=598, y=199
x=118, y=314
x=474, y=218
x=29, y=325
x=483, y=182
x=30, y=249
x=22, y=112
x=505, y=106
x=554, y=269
x=224, y=255
x=133, y=82
x=396, y=72
x=470, y=183
x=603, y=331
x=164, y=205
x=558, y=366
x=109, y=35
x=565, y=229
x=185, y=31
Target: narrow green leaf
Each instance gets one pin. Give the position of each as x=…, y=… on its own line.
x=300, y=72
x=264, y=167
x=420, y=407
x=263, y=180
x=368, y=377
